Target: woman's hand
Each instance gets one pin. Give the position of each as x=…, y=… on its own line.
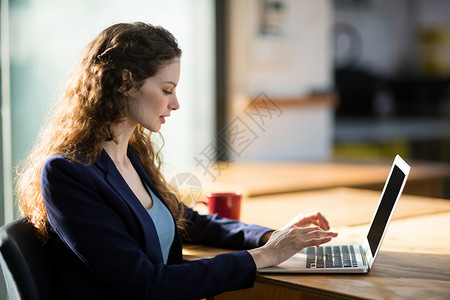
x=299, y=233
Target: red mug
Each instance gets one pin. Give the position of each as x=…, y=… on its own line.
x=227, y=205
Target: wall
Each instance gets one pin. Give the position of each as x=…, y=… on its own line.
x=284, y=52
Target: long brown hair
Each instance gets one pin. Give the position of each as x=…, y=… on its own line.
x=90, y=106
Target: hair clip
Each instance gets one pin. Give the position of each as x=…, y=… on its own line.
x=104, y=53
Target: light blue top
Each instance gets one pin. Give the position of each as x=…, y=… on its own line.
x=162, y=218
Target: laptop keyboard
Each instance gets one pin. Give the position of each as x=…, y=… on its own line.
x=341, y=256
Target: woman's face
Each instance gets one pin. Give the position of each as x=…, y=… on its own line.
x=152, y=103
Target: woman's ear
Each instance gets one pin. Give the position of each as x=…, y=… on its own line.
x=127, y=84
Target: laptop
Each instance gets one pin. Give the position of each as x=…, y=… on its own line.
x=352, y=258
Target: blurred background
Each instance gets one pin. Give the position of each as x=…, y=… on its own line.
x=261, y=80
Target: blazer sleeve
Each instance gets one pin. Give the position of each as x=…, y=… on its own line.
x=217, y=231
x=86, y=222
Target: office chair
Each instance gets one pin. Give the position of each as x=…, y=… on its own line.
x=27, y=268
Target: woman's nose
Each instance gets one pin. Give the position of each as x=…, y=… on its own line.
x=174, y=104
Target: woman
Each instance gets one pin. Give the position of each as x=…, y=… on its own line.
x=92, y=185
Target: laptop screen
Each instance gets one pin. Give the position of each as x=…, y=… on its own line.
x=385, y=207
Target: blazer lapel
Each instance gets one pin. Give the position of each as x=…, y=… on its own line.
x=176, y=249
x=115, y=179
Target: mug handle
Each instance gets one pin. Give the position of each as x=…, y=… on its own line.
x=205, y=202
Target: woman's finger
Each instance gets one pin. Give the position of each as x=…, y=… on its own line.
x=312, y=236
x=315, y=218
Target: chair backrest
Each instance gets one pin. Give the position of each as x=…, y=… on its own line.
x=28, y=269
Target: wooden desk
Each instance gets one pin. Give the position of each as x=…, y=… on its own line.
x=341, y=206
x=267, y=178
x=414, y=261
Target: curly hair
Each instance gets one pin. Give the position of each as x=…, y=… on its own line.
x=90, y=106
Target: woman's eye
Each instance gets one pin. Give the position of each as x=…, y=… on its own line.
x=167, y=92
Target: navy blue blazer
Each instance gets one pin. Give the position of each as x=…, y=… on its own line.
x=106, y=246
